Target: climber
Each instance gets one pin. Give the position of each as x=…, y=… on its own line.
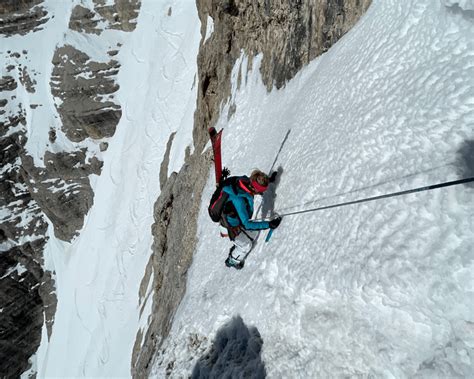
x=237, y=194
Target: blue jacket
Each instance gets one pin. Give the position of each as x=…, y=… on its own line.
x=242, y=202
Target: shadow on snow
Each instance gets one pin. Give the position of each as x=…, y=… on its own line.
x=235, y=353
x=465, y=161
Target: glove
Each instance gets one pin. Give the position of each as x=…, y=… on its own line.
x=273, y=176
x=225, y=173
x=275, y=222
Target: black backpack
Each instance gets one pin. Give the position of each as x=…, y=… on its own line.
x=219, y=199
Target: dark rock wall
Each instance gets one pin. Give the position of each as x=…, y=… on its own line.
x=83, y=86
x=21, y=16
x=25, y=300
x=174, y=232
x=62, y=189
x=289, y=34
x=121, y=15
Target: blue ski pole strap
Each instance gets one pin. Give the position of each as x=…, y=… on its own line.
x=269, y=235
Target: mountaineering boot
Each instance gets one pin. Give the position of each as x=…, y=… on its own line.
x=232, y=261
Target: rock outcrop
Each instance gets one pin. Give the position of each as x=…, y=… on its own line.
x=62, y=188
x=28, y=300
x=26, y=290
x=121, y=15
x=21, y=17
x=289, y=35
x=84, y=20
x=85, y=88
x=174, y=231
x=21, y=215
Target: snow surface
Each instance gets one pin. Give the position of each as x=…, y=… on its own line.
x=381, y=289
x=209, y=28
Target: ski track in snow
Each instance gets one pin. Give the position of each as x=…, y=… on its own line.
x=382, y=288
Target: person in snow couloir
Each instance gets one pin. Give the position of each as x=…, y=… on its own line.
x=238, y=209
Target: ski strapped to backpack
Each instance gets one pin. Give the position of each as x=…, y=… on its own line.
x=216, y=149
x=219, y=197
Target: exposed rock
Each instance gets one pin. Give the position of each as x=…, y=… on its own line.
x=84, y=20
x=83, y=86
x=21, y=318
x=122, y=15
x=175, y=238
x=23, y=216
x=21, y=17
x=8, y=83
x=289, y=34
x=103, y=146
x=26, y=80
x=62, y=189
x=165, y=163
x=52, y=135
x=26, y=291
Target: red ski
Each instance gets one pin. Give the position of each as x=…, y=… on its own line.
x=216, y=148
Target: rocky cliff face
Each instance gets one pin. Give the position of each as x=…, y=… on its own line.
x=289, y=34
x=120, y=15
x=85, y=89
x=21, y=16
x=56, y=192
x=26, y=290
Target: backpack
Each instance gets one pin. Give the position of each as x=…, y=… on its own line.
x=216, y=206
x=219, y=199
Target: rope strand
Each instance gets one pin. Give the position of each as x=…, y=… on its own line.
x=393, y=194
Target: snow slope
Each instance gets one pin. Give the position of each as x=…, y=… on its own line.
x=98, y=274
x=382, y=288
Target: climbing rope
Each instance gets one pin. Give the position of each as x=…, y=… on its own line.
x=393, y=194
